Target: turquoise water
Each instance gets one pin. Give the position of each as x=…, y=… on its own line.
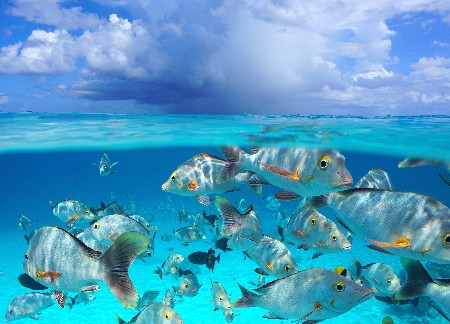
x=47, y=157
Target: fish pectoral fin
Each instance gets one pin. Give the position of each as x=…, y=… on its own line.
x=317, y=306
x=272, y=316
x=49, y=275
x=376, y=281
x=192, y=185
x=74, y=218
x=400, y=243
x=280, y=171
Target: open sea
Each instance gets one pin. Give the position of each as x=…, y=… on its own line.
x=51, y=157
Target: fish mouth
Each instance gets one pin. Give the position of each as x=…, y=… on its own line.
x=347, y=183
x=346, y=247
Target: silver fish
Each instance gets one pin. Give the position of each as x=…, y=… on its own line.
x=189, y=286
x=29, y=305
x=334, y=242
x=24, y=222
x=83, y=297
x=304, y=172
x=73, y=211
x=410, y=163
x=105, y=166
x=173, y=266
x=419, y=283
x=273, y=257
x=221, y=301
x=375, y=179
x=306, y=227
x=375, y=215
x=168, y=299
x=309, y=295
x=155, y=313
x=244, y=229
x=110, y=209
x=197, y=177
x=147, y=298
x=60, y=261
x=189, y=234
x=379, y=275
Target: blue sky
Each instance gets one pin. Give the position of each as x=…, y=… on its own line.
x=372, y=57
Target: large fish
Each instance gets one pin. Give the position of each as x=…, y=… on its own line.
x=401, y=223
x=197, y=177
x=410, y=163
x=155, y=313
x=273, y=257
x=105, y=166
x=379, y=275
x=310, y=295
x=419, y=283
x=60, y=261
x=73, y=211
x=299, y=171
x=334, y=242
x=29, y=305
x=244, y=229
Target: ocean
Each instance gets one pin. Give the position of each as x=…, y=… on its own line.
x=51, y=157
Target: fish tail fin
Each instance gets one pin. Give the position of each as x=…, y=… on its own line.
x=417, y=281
x=316, y=202
x=233, y=166
x=254, y=183
x=158, y=271
x=218, y=258
x=358, y=267
x=280, y=232
x=119, y=320
x=247, y=300
x=116, y=261
x=229, y=214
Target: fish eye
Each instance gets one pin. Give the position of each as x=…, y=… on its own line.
x=389, y=281
x=323, y=163
x=96, y=225
x=173, y=177
x=339, y=286
x=86, y=212
x=26, y=256
x=167, y=315
x=186, y=285
x=220, y=298
x=287, y=267
x=334, y=237
x=313, y=221
x=445, y=239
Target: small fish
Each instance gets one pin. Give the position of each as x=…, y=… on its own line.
x=173, y=266
x=375, y=215
x=58, y=260
x=168, y=299
x=410, y=163
x=221, y=301
x=306, y=227
x=24, y=223
x=73, y=211
x=167, y=237
x=302, y=172
x=379, y=275
x=419, y=283
x=334, y=242
x=183, y=215
x=105, y=166
x=189, y=234
x=83, y=297
x=273, y=257
x=222, y=244
x=197, y=177
x=244, y=229
x=207, y=258
x=29, y=305
x=313, y=294
x=155, y=313
x=147, y=298
x=211, y=219
x=188, y=287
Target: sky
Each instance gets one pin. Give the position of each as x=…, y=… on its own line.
x=342, y=57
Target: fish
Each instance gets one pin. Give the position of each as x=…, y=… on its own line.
x=244, y=229
x=73, y=211
x=155, y=313
x=414, y=162
x=311, y=295
x=375, y=179
x=305, y=228
x=375, y=215
x=29, y=305
x=298, y=171
x=189, y=286
x=273, y=257
x=419, y=283
x=147, y=298
x=336, y=241
x=167, y=237
x=189, y=234
x=197, y=177
x=105, y=166
x=183, y=215
x=222, y=244
x=207, y=258
x=57, y=259
x=211, y=219
x=110, y=209
x=261, y=281
x=379, y=275
x=172, y=266
x=24, y=223
x=168, y=299
x=83, y=297
x=221, y=301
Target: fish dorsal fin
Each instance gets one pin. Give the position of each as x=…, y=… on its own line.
x=91, y=252
x=209, y=156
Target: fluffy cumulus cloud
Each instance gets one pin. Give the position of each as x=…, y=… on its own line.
x=281, y=56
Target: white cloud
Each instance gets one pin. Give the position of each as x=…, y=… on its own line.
x=3, y=99
x=441, y=44
x=53, y=13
